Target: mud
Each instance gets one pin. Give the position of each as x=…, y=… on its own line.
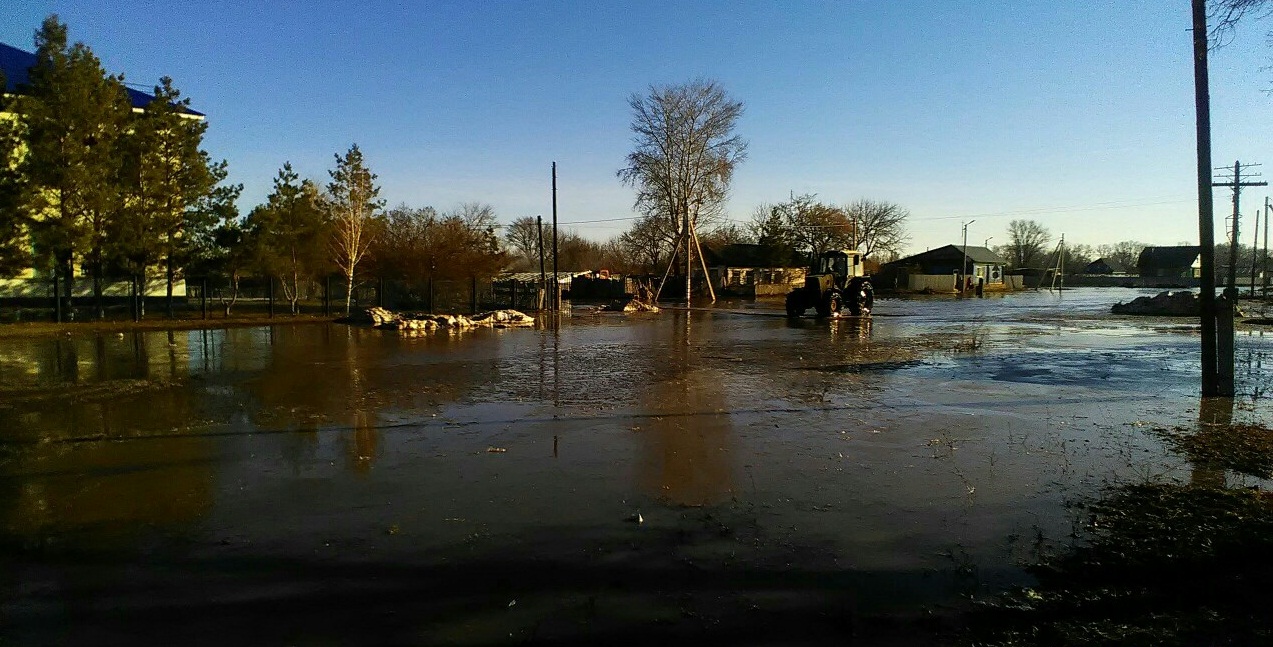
x=797, y=480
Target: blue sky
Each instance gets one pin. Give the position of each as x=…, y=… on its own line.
x=1078, y=115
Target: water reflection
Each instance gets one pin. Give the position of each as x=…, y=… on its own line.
x=687, y=446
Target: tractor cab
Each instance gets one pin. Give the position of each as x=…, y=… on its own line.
x=841, y=264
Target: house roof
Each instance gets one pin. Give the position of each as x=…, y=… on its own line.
x=749, y=255
x=16, y=65
x=1178, y=256
x=953, y=252
x=1103, y=262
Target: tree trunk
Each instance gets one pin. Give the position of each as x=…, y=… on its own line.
x=170, y=274
x=349, y=291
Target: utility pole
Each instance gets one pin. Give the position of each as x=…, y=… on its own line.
x=1206, y=226
x=1255, y=248
x=987, y=243
x=689, y=251
x=963, y=269
x=1234, y=181
x=1264, y=269
x=556, y=282
x=1224, y=321
x=543, y=276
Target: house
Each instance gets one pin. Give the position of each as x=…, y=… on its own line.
x=16, y=65
x=1178, y=262
x=1107, y=266
x=743, y=269
x=36, y=283
x=937, y=269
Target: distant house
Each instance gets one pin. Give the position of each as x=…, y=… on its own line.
x=1179, y=262
x=1105, y=266
x=743, y=269
x=983, y=266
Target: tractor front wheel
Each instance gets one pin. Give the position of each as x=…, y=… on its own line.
x=830, y=305
x=795, y=306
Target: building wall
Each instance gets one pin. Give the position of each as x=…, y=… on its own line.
x=43, y=288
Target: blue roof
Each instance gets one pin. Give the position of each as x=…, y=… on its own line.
x=17, y=64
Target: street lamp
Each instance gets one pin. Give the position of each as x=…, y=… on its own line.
x=963, y=269
x=987, y=243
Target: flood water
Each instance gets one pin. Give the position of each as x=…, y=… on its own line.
x=327, y=484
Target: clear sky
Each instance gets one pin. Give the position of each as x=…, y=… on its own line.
x=1076, y=114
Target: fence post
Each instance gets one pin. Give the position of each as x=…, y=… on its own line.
x=430, y=295
x=57, y=297
x=203, y=297
x=269, y=294
x=512, y=300
x=473, y=294
x=327, y=295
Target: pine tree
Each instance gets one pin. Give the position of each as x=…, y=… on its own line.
x=173, y=179
x=293, y=232
x=74, y=116
x=352, y=203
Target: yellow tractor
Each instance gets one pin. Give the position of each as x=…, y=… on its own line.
x=838, y=281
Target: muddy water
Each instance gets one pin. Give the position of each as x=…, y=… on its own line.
x=322, y=484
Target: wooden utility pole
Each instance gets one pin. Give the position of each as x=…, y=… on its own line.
x=1224, y=332
x=556, y=291
x=1255, y=248
x=543, y=276
x=1264, y=269
x=1234, y=181
x=1206, y=221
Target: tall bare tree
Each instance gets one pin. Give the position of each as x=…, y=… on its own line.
x=522, y=237
x=879, y=226
x=1026, y=242
x=685, y=152
x=353, y=200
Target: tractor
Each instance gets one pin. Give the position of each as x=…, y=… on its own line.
x=837, y=281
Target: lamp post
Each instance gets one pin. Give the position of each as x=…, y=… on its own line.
x=987, y=243
x=963, y=269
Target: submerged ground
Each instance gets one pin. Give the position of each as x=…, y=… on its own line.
x=724, y=474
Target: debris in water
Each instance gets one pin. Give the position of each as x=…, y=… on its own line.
x=495, y=450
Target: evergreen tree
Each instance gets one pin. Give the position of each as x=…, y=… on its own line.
x=174, y=179
x=74, y=115
x=352, y=203
x=292, y=231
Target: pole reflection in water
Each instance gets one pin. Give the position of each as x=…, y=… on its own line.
x=1213, y=414
x=688, y=444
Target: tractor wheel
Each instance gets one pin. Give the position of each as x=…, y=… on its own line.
x=795, y=307
x=830, y=305
x=861, y=298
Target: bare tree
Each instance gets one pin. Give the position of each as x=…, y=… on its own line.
x=522, y=237
x=880, y=226
x=685, y=151
x=352, y=202
x=1026, y=240
x=1224, y=15
x=1126, y=253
